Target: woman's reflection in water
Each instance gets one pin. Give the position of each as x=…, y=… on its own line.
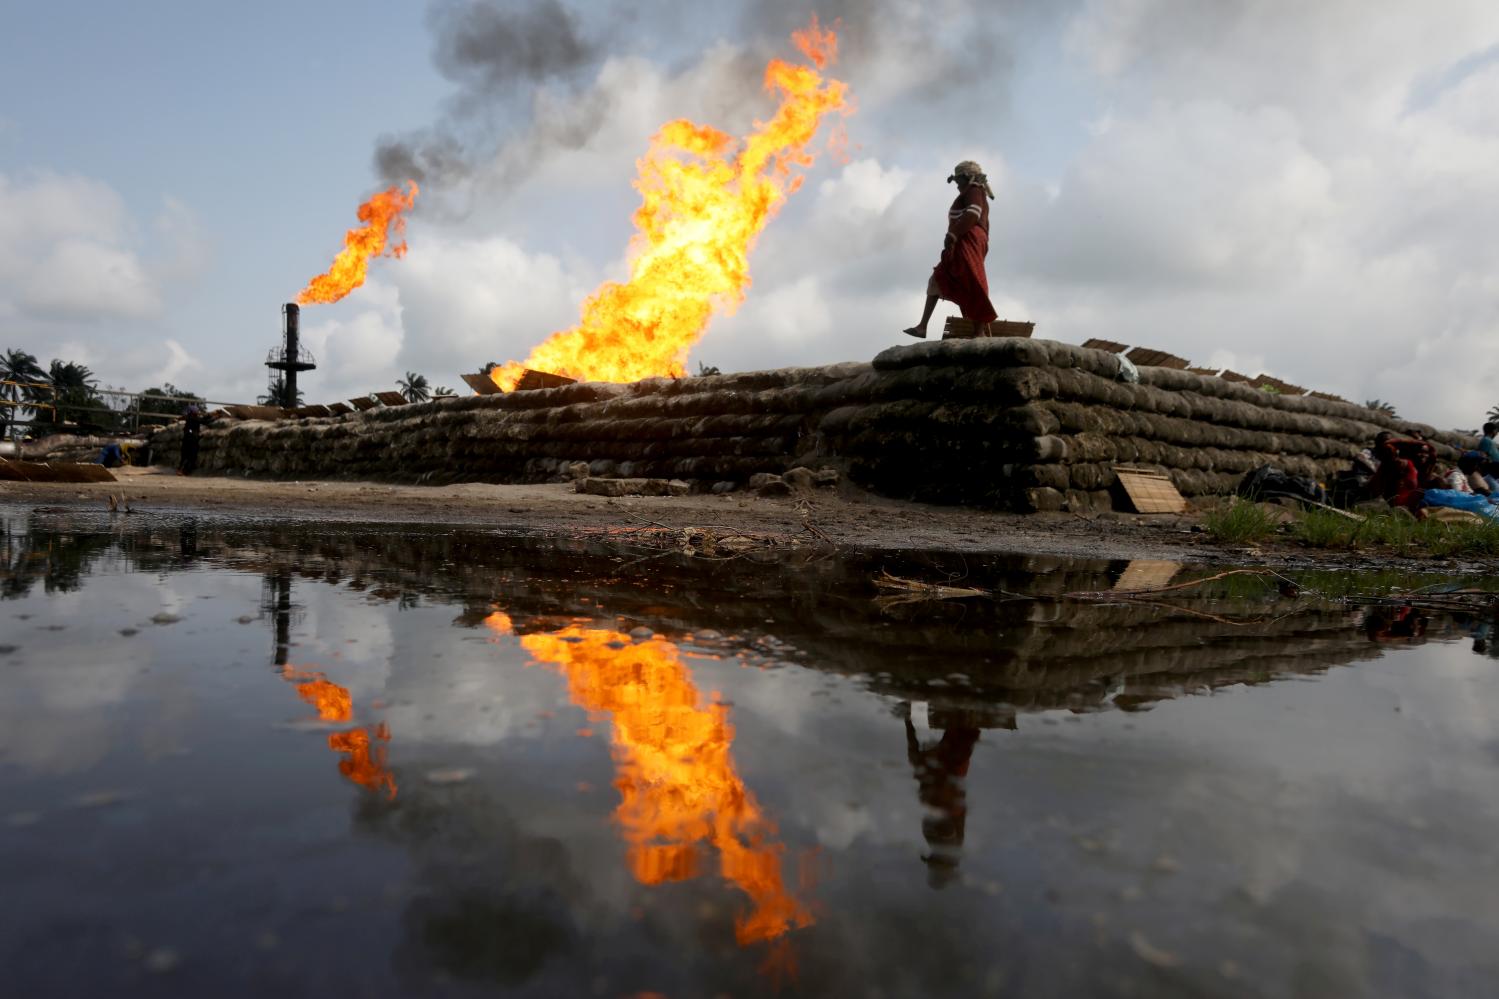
x=940, y=771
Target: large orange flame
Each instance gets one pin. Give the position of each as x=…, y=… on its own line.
x=677, y=782
x=364, y=759
x=704, y=198
x=381, y=216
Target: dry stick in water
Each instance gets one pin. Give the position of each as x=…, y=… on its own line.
x=1109, y=594
x=915, y=591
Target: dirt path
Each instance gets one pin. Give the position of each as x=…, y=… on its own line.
x=846, y=517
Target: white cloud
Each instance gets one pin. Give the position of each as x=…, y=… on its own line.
x=68, y=251
x=355, y=355
x=179, y=362
x=85, y=279
x=468, y=301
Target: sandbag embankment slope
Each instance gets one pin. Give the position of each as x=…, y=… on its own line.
x=1035, y=424
x=1023, y=424
x=725, y=427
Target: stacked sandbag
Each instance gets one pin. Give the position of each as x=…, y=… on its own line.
x=1018, y=423
x=1039, y=425
x=705, y=429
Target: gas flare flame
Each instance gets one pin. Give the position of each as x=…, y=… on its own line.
x=381, y=216
x=705, y=196
x=679, y=790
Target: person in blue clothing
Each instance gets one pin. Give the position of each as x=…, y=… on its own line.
x=1490, y=451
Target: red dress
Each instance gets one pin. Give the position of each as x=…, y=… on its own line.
x=959, y=276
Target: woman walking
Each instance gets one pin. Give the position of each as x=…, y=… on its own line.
x=959, y=276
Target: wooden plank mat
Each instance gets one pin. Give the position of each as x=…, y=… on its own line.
x=480, y=383
x=1108, y=345
x=1147, y=357
x=534, y=379
x=958, y=328
x=1150, y=491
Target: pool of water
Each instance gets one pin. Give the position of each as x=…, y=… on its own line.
x=259, y=758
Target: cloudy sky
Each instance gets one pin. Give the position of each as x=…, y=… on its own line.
x=1306, y=190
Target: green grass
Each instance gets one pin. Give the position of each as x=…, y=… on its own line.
x=1240, y=522
x=1323, y=529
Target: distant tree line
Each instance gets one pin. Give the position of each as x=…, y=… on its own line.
x=65, y=397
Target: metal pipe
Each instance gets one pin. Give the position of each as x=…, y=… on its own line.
x=291, y=325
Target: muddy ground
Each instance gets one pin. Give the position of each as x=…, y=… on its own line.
x=844, y=516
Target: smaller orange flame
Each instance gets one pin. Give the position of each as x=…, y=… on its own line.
x=365, y=761
x=381, y=215
x=332, y=702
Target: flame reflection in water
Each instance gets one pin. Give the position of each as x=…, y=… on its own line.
x=679, y=790
x=363, y=749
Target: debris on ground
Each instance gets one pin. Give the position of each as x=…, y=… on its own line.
x=15, y=470
x=631, y=487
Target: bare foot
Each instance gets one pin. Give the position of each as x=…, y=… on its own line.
x=919, y=332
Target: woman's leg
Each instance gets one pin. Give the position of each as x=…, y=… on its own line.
x=919, y=330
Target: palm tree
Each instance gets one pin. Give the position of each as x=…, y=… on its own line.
x=1494, y=415
x=73, y=391
x=442, y=392
x=21, y=375
x=276, y=394
x=168, y=400
x=414, y=387
x=1380, y=406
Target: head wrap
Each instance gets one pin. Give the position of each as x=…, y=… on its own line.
x=975, y=175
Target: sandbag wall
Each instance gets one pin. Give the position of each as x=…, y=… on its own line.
x=1022, y=424
x=1040, y=425
x=705, y=430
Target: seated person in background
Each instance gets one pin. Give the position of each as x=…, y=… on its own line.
x=1351, y=485
x=1398, y=481
x=1470, y=467
x=1490, y=453
x=1451, y=478
x=1486, y=445
x=1489, y=472
x=1419, y=453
